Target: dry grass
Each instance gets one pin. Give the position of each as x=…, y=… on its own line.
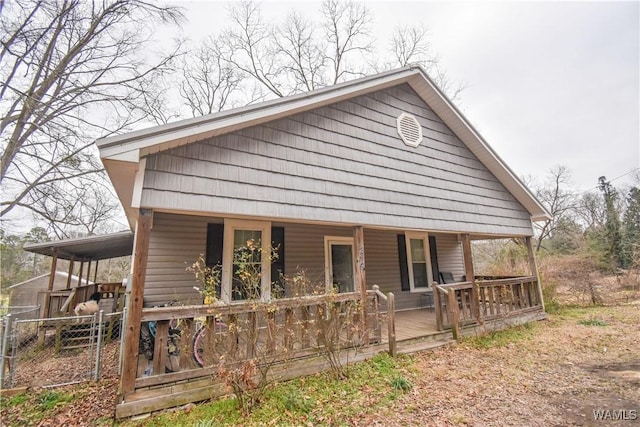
x=557, y=373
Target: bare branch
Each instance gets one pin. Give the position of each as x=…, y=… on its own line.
x=347, y=27
x=71, y=72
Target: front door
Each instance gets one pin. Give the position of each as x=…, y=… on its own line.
x=340, y=275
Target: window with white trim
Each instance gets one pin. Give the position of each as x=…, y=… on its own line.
x=252, y=239
x=418, y=261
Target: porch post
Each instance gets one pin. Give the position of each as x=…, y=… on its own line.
x=360, y=281
x=80, y=274
x=52, y=278
x=70, y=273
x=47, y=298
x=134, y=311
x=534, y=268
x=88, y=272
x=77, y=298
x=95, y=273
x=470, y=275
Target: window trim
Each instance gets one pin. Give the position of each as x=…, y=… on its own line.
x=328, y=240
x=230, y=226
x=415, y=235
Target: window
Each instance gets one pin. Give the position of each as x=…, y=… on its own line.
x=417, y=247
x=338, y=261
x=244, y=239
x=247, y=256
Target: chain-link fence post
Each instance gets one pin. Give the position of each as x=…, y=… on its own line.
x=6, y=331
x=96, y=376
x=123, y=331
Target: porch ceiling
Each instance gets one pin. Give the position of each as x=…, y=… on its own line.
x=87, y=248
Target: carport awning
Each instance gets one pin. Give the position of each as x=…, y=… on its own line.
x=89, y=248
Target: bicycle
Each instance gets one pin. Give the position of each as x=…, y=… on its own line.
x=203, y=349
x=147, y=343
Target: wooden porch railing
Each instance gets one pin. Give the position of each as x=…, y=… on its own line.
x=503, y=297
x=282, y=329
x=63, y=301
x=378, y=296
x=457, y=305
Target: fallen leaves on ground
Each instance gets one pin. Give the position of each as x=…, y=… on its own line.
x=557, y=375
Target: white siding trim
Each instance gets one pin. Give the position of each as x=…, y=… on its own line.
x=328, y=273
x=427, y=256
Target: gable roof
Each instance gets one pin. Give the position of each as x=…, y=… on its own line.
x=122, y=154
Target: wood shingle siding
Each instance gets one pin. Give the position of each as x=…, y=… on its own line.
x=342, y=163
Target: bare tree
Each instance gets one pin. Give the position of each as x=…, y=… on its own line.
x=305, y=60
x=248, y=47
x=591, y=211
x=209, y=82
x=72, y=208
x=70, y=71
x=556, y=198
x=411, y=46
x=300, y=54
x=347, y=27
x=452, y=89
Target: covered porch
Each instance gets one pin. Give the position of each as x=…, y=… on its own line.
x=180, y=369
x=83, y=256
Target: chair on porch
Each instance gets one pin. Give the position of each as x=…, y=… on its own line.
x=446, y=277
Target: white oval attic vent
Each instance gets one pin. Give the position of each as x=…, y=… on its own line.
x=409, y=129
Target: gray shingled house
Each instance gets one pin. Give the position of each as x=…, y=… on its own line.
x=381, y=175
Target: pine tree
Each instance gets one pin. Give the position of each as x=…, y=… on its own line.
x=614, y=251
x=631, y=225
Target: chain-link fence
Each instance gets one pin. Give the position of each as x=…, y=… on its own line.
x=59, y=351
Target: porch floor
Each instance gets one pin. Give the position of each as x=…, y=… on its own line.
x=411, y=324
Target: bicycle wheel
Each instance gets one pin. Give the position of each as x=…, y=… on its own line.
x=206, y=343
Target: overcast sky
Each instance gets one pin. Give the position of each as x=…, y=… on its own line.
x=546, y=83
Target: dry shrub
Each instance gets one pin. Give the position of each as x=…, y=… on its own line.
x=500, y=257
x=576, y=279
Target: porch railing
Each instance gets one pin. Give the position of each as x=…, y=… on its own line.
x=282, y=329
x=63, y=301
x=465, y=303
x=376, y=325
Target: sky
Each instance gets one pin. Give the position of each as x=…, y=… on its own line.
x=546, y=83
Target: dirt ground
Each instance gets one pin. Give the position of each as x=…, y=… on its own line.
x=557, y=373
